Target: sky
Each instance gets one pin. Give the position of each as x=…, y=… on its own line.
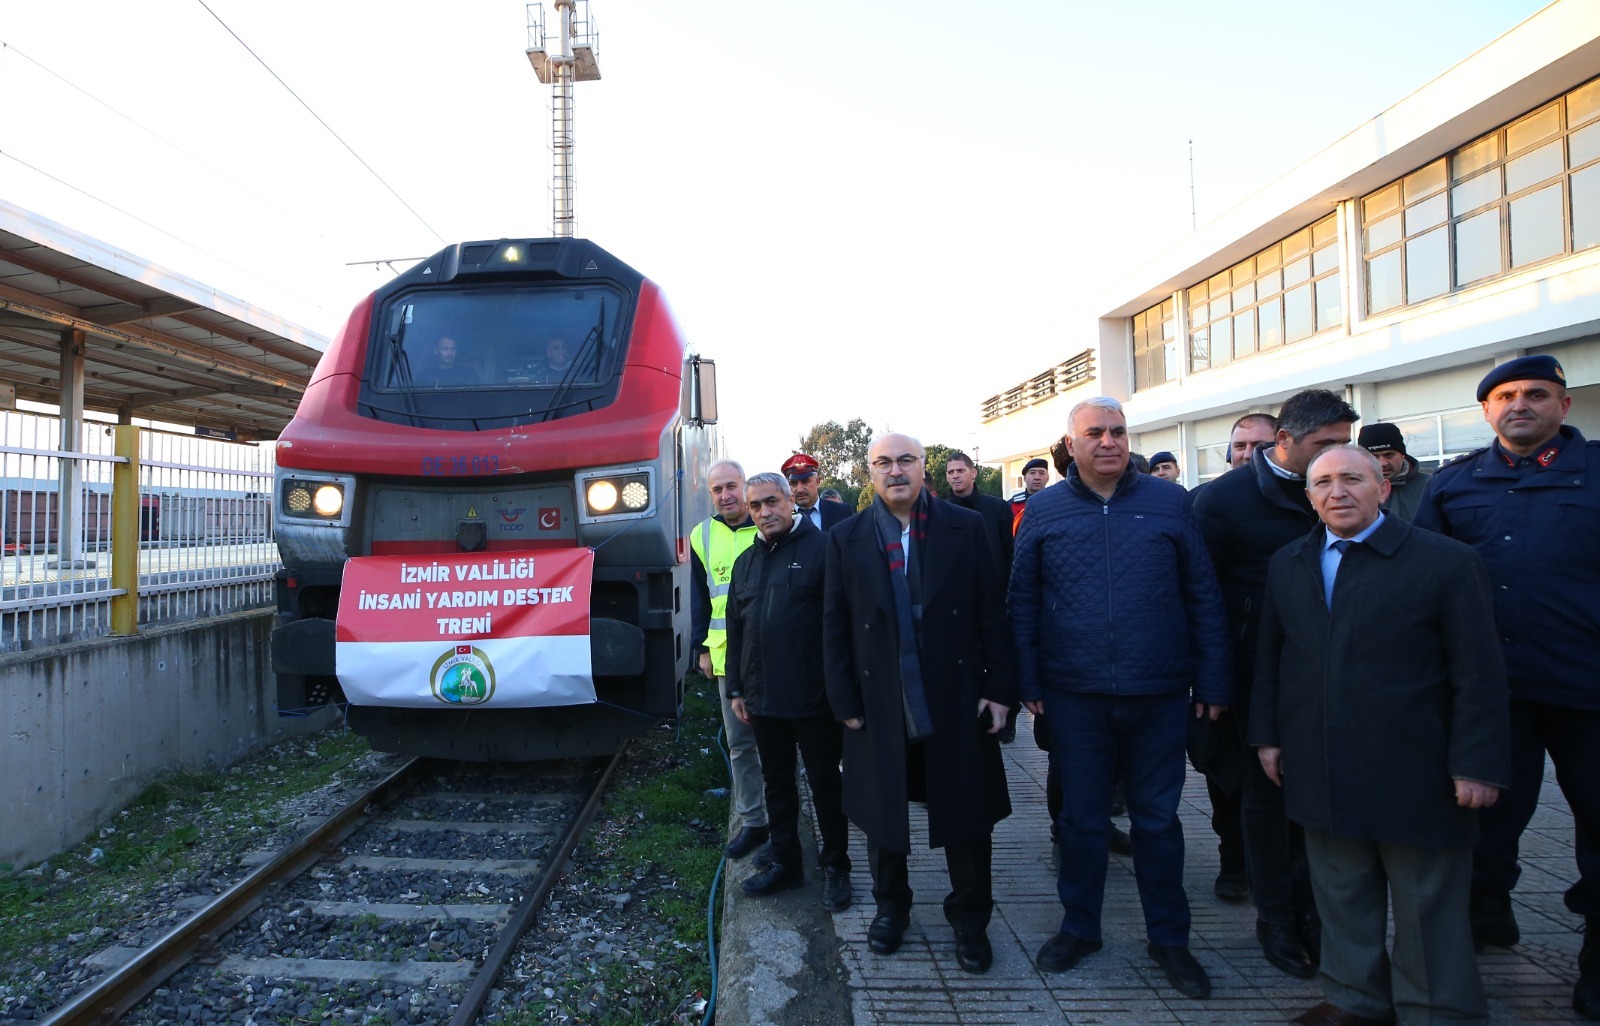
x=885, y=209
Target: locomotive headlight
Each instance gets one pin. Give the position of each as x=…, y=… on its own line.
x=315, y=500
x=328, y=500
x=297, y=498
x=612, y=494
x=602, y=496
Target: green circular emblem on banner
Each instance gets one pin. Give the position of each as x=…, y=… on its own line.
x=463, y=676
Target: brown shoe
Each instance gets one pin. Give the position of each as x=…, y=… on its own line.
x=1332, y=1015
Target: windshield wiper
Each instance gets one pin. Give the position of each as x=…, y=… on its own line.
x=591, y=342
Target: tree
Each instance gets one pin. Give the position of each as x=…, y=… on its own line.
x=840, y=451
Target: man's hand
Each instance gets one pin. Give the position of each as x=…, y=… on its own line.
x=737, y=705
x=854, y=722
x=1203, y=711
x=997, y=711
x=1037, y=708
x=1271, y=763
x=1472, y=795
x=705, y=665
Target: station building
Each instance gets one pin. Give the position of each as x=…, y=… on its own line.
x=1458, y=229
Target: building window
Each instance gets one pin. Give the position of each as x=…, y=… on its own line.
x=1522, y=194
x=1155, y=346
x=1211, y=461
x=1284, y=294
x=1440, y=437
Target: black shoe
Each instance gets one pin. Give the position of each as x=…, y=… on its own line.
x=776, y=877
x=763, y=856
x=1231, y=886
x=1586, y=995
x=836, y=892
x=746, y=841
x=1121, y=843
x=1187, y=976
x=1493, y=922
x=887, y=931
x=1281, y=944
x=1310, y=929
x=973, y=952
x=1063, y=951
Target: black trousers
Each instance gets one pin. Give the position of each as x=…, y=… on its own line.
x=1274, y=848
x=1572, y=737
x=970, y=903
x=820, y=740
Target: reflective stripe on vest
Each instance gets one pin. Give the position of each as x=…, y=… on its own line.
x=719, y=549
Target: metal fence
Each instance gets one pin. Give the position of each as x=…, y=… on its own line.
x=204, y=541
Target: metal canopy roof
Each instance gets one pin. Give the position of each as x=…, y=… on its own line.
x=157, y=345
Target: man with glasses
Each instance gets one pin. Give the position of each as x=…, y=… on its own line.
x=804, y=477
x=917, y=658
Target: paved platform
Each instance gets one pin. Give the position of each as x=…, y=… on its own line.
x=785, y=961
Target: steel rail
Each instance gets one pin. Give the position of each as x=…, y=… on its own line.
x=532, y=903
x=118, y=991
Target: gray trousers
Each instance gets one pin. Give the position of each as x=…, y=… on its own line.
x=749, y=791
x=1432, y=976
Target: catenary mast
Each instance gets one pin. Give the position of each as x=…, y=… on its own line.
x=570, y=60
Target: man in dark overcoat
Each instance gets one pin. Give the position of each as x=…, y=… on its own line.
x=1384, y=752
x=1246, y=515
x=917, y=658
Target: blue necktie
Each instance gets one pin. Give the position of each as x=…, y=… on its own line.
x=1341, y=546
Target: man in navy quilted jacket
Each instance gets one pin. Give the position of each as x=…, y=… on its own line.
x=1121, y=637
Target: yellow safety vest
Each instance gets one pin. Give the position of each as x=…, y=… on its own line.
x=718, y=545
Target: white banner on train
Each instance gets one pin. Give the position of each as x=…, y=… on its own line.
x=507, y=630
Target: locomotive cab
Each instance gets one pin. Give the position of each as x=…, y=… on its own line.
x=501, y=407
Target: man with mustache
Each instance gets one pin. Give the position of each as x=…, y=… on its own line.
x=918, y=665
x=774, y=683
x=1529, y=503
x=1121, y=640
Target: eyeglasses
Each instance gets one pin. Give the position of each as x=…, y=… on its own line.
x=884, y=464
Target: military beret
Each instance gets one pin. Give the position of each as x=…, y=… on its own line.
x=1162, y=457
x=1037, y=463
x=1523, y=368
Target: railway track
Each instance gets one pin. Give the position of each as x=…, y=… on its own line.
x=402, y=906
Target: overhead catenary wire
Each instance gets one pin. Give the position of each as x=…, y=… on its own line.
x=157, y=228
x=348, y=148
x=8, y=47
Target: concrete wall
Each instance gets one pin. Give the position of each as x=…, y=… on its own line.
x=88, y=725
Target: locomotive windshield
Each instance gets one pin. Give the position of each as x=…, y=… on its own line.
x=478, y=358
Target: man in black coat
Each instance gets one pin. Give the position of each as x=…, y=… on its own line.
x=1246, y=515
x=961, y=474
x=1384, y=752
x=918, y=663
x=774, y=682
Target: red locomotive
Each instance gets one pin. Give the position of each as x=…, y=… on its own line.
x=494, y=414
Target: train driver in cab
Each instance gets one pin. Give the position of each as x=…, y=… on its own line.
x=557, y=360
x=448, y=370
